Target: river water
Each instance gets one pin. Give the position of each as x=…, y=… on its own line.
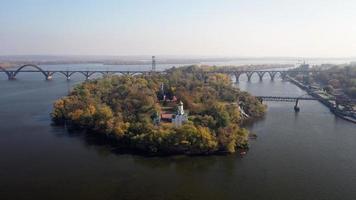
x=309, y=155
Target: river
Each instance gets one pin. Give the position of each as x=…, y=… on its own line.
x=308, y=155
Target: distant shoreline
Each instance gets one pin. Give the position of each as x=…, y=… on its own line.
x=16, y=61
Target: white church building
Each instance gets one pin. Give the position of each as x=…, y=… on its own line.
x=181, y=116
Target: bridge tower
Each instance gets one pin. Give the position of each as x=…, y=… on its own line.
x=296, y=106
x=153, y=63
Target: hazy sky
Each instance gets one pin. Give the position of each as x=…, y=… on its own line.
x=310, y=28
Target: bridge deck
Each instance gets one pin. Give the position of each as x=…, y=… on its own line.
x=285, y=98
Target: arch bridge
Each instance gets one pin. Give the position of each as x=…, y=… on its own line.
x=261, y=73
x=48, y=74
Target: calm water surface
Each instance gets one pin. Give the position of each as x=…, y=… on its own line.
x=309, y=155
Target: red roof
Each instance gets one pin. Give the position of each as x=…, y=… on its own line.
x=174, y=98
x=166, y=116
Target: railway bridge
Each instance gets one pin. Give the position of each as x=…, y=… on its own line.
x=261, y=73
x=287, y=99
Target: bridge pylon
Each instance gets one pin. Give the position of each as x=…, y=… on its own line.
x=11, y=75
x=296, y=106
x=249, y=75
x=237, y=76
x=272, y=75
x=49, y=76
x=261, y=74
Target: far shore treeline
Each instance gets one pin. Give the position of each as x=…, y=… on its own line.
x=123, y=108
x=333, y=78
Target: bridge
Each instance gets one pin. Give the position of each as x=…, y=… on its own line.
x=284, y=98
x=48, y=74
x=261, y=73
x=287, y=99
x=338, y=101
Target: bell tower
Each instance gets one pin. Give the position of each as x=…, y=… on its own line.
x=180, y=108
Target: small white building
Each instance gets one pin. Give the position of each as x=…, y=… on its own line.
x=181, y=116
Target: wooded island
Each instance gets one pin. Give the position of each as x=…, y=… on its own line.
x=184, y=111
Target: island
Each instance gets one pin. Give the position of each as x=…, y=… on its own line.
x=183, y=111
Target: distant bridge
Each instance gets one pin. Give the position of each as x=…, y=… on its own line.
x=286, y=99
x=261, y=73
x=48, y=74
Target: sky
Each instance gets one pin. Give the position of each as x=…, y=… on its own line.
x=257, y=28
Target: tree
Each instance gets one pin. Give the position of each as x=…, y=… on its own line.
x=329, y=89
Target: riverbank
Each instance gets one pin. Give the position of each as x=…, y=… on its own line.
x=326, y=99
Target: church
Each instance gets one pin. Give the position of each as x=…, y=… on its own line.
x=180, y=117
x=172, y=112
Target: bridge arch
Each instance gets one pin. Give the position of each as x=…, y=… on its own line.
x=97, y=72
x=272, y=75
x=261, y=74
x=32, y=66
x=88, y=74
x=137, y=73
x=65, y=74
x=247, y=74
x=120, y=73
